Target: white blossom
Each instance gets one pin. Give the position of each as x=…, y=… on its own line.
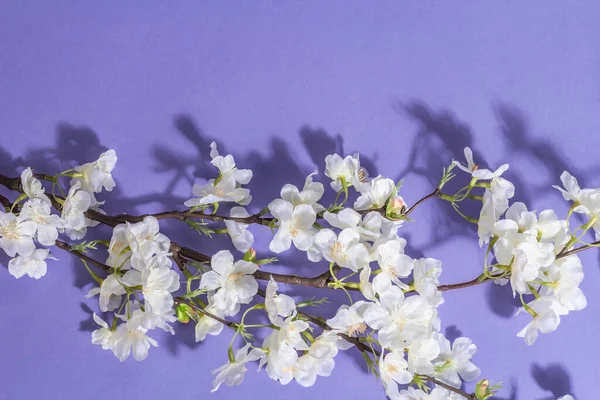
x=471, y=166
x=128, y=340
x=347, y=218
x=487, y=219
x=319, y=360
x=110, y=292
x=289, y=332
x=278, y=304
x=16, y=234
x=234, y=282
x=394, y=265
x=76, y=203
x=522, y=252
x=501, y=190
x=393, y=369
x=227, y=167
x=571, y=191
x=34, y=264
x=157, y=285
x=375, y=193
x=400, y=321
x=546, y=318
x=241, y=237
x=343, y=171
x=421, y=354
x=295, y=226
x=562, y=281
x=426, y=273
x=102, y=336
x=350, y=320
x=32, y=186
x=343, y=249
x=140, y=244
x=39, y=211
x=365, y=286
x=151, y=319
x=281, y=359
x=547, y=227
x=145, y=240
x=96, y=175
x=495, y=199
x=454, y=363
x=207, y=325
x=232, y=373
x=310, y=194
x=225, y=190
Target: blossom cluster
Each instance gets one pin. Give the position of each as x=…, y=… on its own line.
x=392, y=315
x=529, y=247
x=406, y=326
x=140, y=265
x=20, y=230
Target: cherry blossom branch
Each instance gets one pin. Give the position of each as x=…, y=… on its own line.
x=66, y=247
x=448, y=387
x=229, y=324
x=362, y=347
x=181, y=253
x=436, y=193
x=578, y=249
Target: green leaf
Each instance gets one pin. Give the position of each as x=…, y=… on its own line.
x=200, y=227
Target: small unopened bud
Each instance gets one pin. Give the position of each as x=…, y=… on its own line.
x=250, y=255
x=397, y=206
x=481, y=388
x=182, y=315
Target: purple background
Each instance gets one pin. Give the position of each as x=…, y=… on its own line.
x=280, y=85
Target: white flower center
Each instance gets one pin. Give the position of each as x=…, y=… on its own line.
x=235, y=276
x=10, y=231
x=391, y=369
x=338, y=250
x=294, y=231
x=288, y=369
x=357, y=329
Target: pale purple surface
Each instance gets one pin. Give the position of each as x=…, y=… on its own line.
x=277, y=85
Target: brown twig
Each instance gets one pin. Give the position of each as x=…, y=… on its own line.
x=229, y=324
x=448, y=387
x=435, y=193
x=66, y=247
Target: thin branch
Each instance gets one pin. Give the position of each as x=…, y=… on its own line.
x=229, y=324
x=448, y=387
x=578, y=249
x=66, y=247
x=435, y=193
x=461, y=285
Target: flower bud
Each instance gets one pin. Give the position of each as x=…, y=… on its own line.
x=182, y=315
x=396, y=207
x=481, y=388
x=250, y=255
